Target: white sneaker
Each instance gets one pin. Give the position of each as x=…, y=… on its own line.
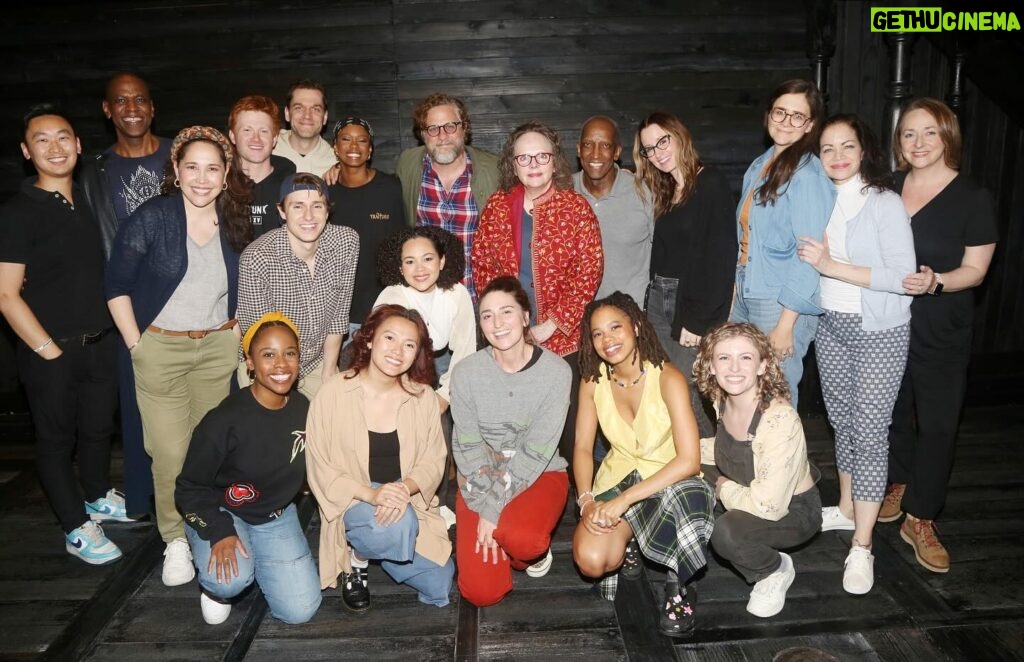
x=448, y=516
x=540, y=568
x=833, y=519
x=859, y=575
x=769, y=595
x=214, y=613
x=178, y=568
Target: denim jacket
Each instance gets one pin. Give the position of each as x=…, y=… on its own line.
x=804, y=206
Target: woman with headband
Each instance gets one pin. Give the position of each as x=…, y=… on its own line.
x=172, y=282
x=368, y=201
x=244, y=466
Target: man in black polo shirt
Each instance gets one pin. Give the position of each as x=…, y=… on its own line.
x=51, y=293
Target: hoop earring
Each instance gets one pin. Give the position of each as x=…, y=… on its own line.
x=252, y=376
x=225, y=187
x=177, y=183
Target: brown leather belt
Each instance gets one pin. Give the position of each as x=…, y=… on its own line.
x=194, y=335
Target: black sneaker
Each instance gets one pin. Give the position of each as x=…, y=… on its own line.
x=355, y=594
x=678, y=618
x=632, y=566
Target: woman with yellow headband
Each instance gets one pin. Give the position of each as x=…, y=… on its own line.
x=245, y=464
x=171, y=286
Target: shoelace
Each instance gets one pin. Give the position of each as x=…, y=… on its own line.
x=93, y=532
x=926, y=529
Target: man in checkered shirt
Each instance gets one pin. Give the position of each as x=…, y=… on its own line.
x=306, y=270
x=445, y=183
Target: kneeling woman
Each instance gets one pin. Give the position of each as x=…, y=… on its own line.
x=757, y=462
x=509, y=402
x=375, y=458
x=243, y=468
x=648, y=485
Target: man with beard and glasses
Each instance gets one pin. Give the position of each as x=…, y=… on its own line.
x=306, y=114
x=446, y=183
x=115, y=183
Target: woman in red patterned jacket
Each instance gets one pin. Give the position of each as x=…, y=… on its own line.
x=537, y=228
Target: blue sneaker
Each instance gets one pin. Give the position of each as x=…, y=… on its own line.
x=108, y=508
x=88, y=543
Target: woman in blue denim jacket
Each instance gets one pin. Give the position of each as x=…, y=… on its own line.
x=786, y=195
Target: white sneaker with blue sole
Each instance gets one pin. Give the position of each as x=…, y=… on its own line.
x=108, y=508
x=89, y=543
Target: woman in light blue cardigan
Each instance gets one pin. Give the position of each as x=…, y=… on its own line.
x=864, y=335
x=786, y=195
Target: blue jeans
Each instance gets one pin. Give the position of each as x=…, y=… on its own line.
x=395, y=547
x=279, y=561
x=764, y=314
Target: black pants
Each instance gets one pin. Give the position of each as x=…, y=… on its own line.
x=751, y=544
x=72, y=400
x=138, y=472
x=567, y=442
x=921, y=455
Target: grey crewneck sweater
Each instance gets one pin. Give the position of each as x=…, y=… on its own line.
x=507, y=427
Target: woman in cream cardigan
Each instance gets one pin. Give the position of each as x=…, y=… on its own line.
x=375, y=456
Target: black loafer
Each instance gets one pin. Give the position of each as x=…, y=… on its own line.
x=355, y=594
x=632, y=566
x=677, y=617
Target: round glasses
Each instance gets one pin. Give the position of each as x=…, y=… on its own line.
x=542, y=158
x=779, y=116
x=647, y=151
x=434, y=130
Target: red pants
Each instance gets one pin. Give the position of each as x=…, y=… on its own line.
x=524, y=532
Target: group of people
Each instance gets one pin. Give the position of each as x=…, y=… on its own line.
x=269, y=309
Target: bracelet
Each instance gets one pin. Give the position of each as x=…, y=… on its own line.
x=592, y=500
x=49, y=341
x=588, y=492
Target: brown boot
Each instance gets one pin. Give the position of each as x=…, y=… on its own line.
x=892, y=503
x=922, y=536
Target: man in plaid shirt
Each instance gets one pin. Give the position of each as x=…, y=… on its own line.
x=444, y=182
x=305, y=269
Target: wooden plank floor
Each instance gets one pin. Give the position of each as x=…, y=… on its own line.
x=54, y=607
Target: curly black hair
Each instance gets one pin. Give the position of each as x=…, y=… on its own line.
x=647, y=345
x=389, y=255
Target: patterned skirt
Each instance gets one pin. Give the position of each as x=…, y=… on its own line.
x=672, y=527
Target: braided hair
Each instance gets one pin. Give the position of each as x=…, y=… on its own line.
x=647, y=346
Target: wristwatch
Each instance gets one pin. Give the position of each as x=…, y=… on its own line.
x=937, y=290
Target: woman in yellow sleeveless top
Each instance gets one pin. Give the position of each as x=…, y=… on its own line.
x=647, y=497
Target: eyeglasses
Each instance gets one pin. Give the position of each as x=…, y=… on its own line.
x=542, y=158
x=434, y=130
x=647, y=151
x=797, y=120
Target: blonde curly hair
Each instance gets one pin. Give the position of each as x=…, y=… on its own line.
x=771, y=385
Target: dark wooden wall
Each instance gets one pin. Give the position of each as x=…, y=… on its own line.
x=512, y=61
x=993, y=148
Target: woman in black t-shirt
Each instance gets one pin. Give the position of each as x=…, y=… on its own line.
x=244, y=466
x=954, y=227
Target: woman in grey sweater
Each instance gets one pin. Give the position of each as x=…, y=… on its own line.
x=509, y=401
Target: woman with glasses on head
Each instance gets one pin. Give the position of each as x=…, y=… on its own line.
x=538, y=229
x=694, y=250
x=786, y=195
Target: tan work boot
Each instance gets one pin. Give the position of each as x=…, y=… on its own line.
x=892, y=503
x=921, y=535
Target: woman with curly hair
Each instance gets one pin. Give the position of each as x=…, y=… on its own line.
x=863, y=337
x=172, y=289
x=538, y=229
x=757, y=462
x=374, y=458
x=647, y=497
x=421, y=268
x=693, y=257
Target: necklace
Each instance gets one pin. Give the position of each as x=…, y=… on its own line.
x=621, y=384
